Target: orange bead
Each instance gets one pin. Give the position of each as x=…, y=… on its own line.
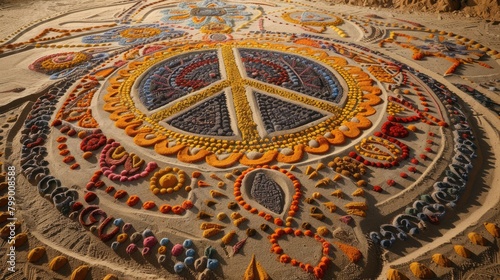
x=278, y=250
x=177, y=209
x=322, y=265
x=132, y=200
x=165, y=208
x=285, y=258
x=309, y=268
x=318, y=272
x=148, y=205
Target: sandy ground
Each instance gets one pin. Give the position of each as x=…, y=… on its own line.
x=62, y=235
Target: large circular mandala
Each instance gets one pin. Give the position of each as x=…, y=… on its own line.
x=241, y=97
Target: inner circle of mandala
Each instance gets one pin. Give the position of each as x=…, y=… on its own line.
x=173, y=117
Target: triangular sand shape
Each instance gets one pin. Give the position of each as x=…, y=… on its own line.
x=255, y=271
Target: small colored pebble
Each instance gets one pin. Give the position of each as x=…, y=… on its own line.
x=146, y=251
x=162, y=259
x=190, y=252
x=177, y=250
x=131, y=248
x=118, y=222
x=147, y=232
x=179, y=267
x=189, y=261
x=188, y=243
x=164, y=241
x=212, y=264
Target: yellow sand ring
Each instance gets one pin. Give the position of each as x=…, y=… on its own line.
x=167, y=180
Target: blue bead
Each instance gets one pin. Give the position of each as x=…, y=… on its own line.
x=187, y=243
x=189, y=261
x=212, y=264
x=118, y=222
x=179, y=267
x=147, y=232
x=386, y=243
x=164, y=241
x=190, y=252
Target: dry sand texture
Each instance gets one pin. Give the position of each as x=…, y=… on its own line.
x=247, y=140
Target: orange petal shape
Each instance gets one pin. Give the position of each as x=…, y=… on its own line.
x=142, y=140
x=231, y=160
x=337, y=139
x=353, y=130
x=103, y=73
x=298, y=152
x=184, y=155
x=118, y=113
x=133, y=129
x=266, y=158
x=127, y=120
x=162, y=148
x=364, y=122
x=323, y=147
x=112, y=105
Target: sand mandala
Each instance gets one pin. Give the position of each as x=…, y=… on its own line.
x=235, y=140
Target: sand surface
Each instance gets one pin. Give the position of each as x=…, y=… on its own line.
x=314, y=133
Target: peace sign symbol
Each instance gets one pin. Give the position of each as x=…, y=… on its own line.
x=240, y=93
